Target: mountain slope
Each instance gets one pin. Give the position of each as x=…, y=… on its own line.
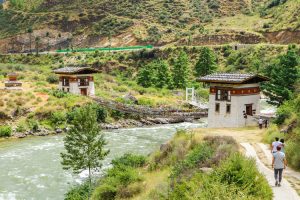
x=158, y=22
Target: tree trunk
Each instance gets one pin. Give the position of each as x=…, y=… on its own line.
x=30, y=42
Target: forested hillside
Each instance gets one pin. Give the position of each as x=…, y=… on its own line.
x=62, y=24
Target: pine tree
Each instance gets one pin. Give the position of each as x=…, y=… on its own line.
x=284, y=76
x=37, y=44
x=84, y=143
x=163, y=77
x=147, y=76
x=30, y=31
x=48, y=40
x=181, y=71
x=206, y=63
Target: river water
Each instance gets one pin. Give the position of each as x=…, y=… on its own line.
x=30, y=168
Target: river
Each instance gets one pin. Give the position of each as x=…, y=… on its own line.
x=30, y=168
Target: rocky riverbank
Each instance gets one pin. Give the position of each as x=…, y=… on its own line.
x=39, y=132
x=122, y=123
x=129, y=123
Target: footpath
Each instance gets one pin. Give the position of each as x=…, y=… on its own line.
x=286, y=191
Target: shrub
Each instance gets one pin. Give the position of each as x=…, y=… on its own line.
x=199, y=154
x=146, y=102
x=242, y=172
x=271, y=133
x=105, y=191
x=5, y=131
x=284, y=112
x=19, y=68
x=33, y=124
x=119, y=180
x=52, y=79
x=116, y=180
x=57, y=118
x=292, y=152
x=116, y=114
x=78, y=192
x=58, y=93
x=236, y=178
x=21, y=127
x=130, y=160
x=129, y=191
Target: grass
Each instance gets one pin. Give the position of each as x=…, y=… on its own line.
x=285, y=16
x=239, y=22
x=246, y=134
x=152, y=180
x=189, y=181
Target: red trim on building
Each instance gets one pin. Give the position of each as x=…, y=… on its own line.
x=237, y=91
x=73, y=79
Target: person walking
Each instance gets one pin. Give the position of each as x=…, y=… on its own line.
x=279, y=163
x=274, y=145
x=282, y=145
x=260, y=123
x=266, y=123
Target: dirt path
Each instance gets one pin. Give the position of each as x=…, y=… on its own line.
x=291, y=175
x=280, y=193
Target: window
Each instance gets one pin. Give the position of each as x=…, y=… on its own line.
x=217, y=109
x=65, y=81
x=228, y=108
x=218, y=95
x=83, y=81
x=223, y=95
x=249, y=110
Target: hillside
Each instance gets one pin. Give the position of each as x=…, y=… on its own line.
x=59, y=24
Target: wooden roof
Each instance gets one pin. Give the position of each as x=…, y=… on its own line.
x=75, y=70
x=233, y=78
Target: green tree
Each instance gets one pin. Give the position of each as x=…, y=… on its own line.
x=146, y=76
x=163, y=76
x=206, y=62
x=84, y=143
x=181, y=71
x=48, y=40
x=37, y=45
x=284, y=76
x=30, y=31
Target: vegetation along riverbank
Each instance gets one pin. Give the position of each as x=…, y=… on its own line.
x=129, y=78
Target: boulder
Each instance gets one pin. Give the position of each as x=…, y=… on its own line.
x=19, y=135
x=130, y=97
x=58, y=130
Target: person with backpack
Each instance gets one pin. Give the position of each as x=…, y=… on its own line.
x=274, y=145
x=282, y=145
x=279, y=163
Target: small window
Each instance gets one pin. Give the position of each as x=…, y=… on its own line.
x=217, y=107
x=223, y=95
x=218, y=97
x=228, y=108
x=249, y=110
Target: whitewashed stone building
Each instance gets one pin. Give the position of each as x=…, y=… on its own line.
x=12, y=83
x=234, y=99
x=77, y=80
